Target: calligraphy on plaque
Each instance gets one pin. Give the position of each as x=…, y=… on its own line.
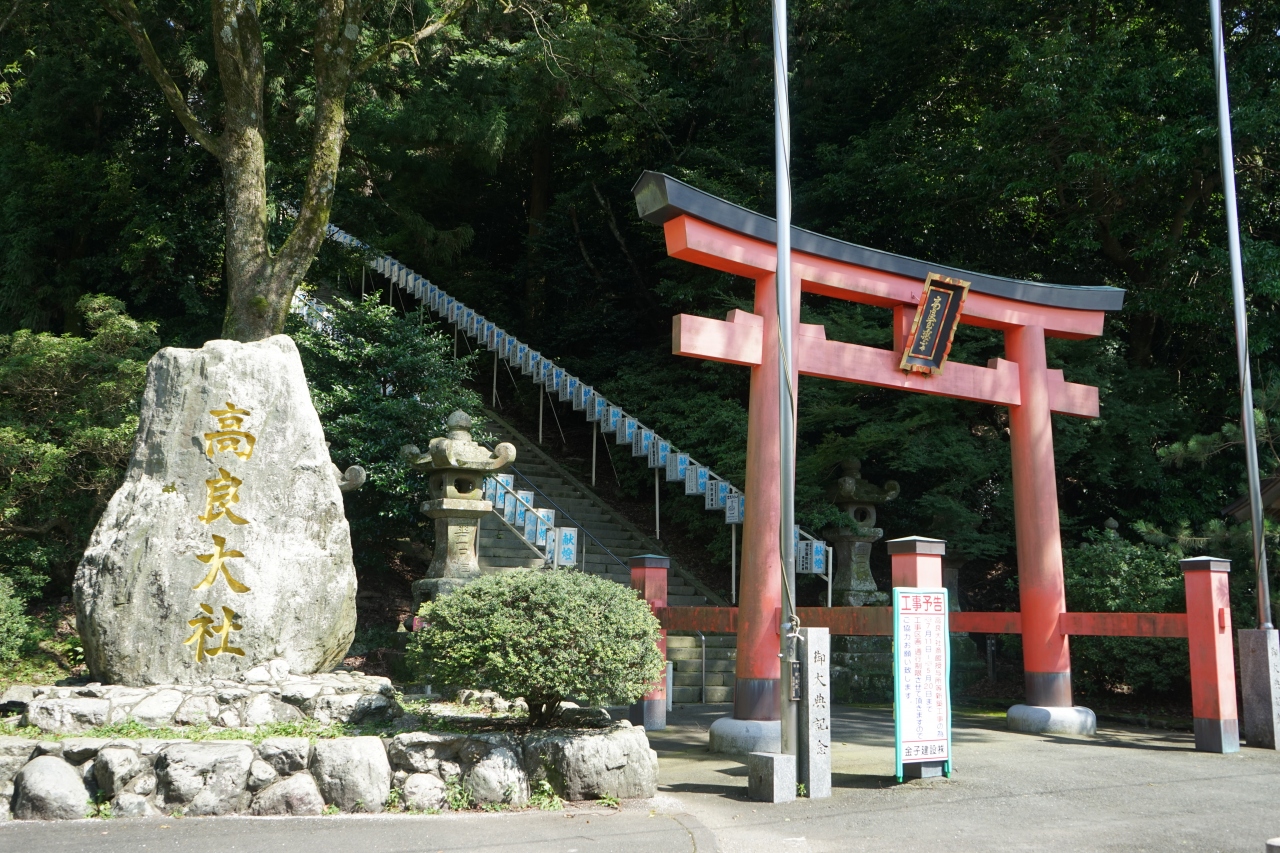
x=921, y=678
x=934, y=325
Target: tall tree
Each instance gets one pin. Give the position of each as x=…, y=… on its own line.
x=261, y=279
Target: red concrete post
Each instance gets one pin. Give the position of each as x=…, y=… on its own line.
x=1213, y=672
x=649, y=578
x=756, y=688
x=1045, y=651
x=917, y=561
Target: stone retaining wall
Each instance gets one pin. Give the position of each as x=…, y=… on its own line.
x=64, y=779
x=263, y=695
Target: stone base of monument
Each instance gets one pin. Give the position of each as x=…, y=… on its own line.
x=411, y=771
x=263, y=695
x=1039, y=720
x=742, y=737
x=429, y=589
x=771, y=777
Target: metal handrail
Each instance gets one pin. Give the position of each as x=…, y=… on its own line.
x=562, y=511
x=577, y=523
x=519, y=533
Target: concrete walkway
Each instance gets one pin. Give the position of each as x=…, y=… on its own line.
x=1125, y=789
x=1130, y=790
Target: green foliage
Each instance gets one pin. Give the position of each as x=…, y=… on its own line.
x=543, y=635
x=15, y=625
x=544, y=798
x=1107, y=573
x=456, y=796
x=68, y=413
x=381, y=380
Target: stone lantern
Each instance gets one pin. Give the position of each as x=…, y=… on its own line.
x=853, y=585
x=457, y=467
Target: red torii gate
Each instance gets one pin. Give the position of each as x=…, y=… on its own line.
x=709, y=231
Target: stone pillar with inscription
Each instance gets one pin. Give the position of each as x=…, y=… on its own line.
x=813, y=766
x=227, y=545
x=456, y=467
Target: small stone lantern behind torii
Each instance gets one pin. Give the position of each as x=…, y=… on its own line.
x=853, y=585
x=457, y=467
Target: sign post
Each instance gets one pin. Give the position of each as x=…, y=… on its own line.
x=921, y=683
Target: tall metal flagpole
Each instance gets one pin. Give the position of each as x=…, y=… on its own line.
x=787, y=469
x=1241, y=320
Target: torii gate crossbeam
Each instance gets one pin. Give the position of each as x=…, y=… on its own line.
x=711, y=232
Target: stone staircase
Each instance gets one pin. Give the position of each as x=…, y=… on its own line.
x=608, y=539
x=685, y=651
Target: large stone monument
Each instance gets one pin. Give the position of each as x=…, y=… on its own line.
x=456, y=466
x=227, y=546
x=853, y=585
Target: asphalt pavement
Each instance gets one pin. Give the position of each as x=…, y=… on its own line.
x=1124, y=790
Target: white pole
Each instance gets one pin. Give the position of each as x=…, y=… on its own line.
x=657, y=517
x=782, y=175
x=1241, y=319
x=595, y=440
x=733, y=564
x=540, y=416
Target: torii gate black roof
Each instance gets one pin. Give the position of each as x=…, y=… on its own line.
x=660, y=197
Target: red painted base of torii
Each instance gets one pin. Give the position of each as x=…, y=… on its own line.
x=708, y=231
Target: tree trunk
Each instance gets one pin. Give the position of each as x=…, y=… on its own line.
x=249, y=265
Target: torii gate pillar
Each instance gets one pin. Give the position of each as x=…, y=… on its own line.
x=1041, y=589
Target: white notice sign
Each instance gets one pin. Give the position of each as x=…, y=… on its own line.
x=921, y=677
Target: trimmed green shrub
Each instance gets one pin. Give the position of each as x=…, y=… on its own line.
x=543, y=635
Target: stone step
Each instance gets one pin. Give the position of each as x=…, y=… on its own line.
x=693, y=695
x=712, y=665
x=695, y=654
x=694, y=679
x=728, y=641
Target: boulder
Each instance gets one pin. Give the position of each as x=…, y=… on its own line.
x=226, y=547
x=296, y=795
x=424, y=792
x=78, y=750
x=205, y=778
x=421, y=752
x=115, y=766
x=196, y=710
x=585, y=718
x=589, y=765
x=158, y=709
x=352, y=773
x=261, y=774
x=67, y=716
x=128, y=804
x=286, y=755
x=349, y=708
x=49, y=788
x=265, y=708
x=14, y=753
x=497, y=778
